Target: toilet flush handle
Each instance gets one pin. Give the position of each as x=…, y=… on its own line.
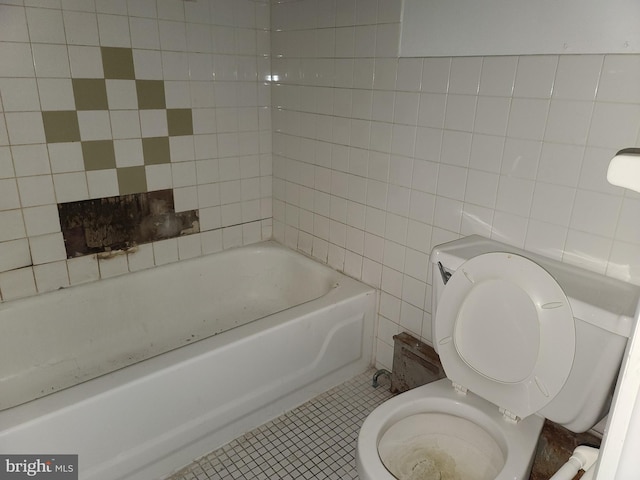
x=445, y=275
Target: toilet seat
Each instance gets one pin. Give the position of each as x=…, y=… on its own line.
x=520, y=365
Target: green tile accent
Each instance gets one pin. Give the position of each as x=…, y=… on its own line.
x=132, y=180
x=156, y=150
x=98, y=155
x=90, y=93
x=118, y=63
x=150, y=94
x=61, y=126
x=179, y=121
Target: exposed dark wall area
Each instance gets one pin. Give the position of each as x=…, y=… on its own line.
x=121, y=223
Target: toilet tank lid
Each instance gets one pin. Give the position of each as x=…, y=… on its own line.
x=602, y=301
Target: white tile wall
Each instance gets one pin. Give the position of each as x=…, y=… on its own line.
x=214, y=56
x=423, y=150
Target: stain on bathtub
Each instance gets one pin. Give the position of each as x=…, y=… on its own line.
x=110, y=225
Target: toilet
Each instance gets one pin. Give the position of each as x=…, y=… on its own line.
x=521, y=338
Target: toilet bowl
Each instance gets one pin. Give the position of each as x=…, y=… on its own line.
x=521, y=338
x=456, y=434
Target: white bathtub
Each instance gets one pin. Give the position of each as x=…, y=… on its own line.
x=131, y=403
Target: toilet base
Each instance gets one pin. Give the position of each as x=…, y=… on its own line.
x=515, y=442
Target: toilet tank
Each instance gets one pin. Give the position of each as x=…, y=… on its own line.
x=603, y=309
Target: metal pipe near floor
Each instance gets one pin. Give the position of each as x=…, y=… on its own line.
x=382, y=371
x=583, y=458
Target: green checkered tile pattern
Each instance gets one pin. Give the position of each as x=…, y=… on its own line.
x=90, y=123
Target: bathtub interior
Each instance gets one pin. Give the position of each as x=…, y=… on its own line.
x=63, y=338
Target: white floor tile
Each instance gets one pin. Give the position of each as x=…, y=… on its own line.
x=317, y=440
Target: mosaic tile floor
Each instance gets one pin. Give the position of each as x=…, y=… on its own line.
x=317, y=440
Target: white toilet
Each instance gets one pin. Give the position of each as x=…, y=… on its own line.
x=521, y=338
